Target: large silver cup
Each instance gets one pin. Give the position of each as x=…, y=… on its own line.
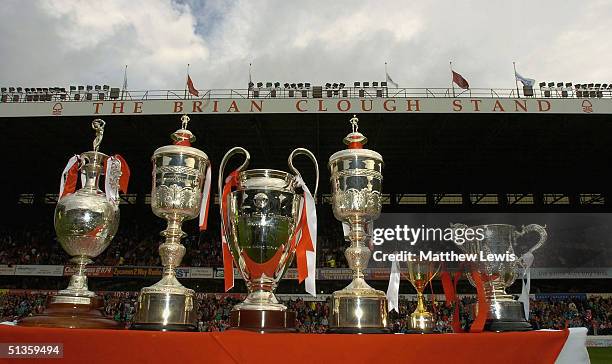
x=262, y=214
x=505, y=313
x=178, y=178
x=356, y=179
x=85, y=223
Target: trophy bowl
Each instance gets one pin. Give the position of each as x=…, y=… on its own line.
x=261, y=217
x=505, y=313
x=85, y=221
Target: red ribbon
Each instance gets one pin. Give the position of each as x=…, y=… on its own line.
x=483, y=305
x=124, y=180
x=228, y=261
x=449, y=285
x=184, y=141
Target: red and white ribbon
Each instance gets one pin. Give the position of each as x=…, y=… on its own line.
x=203, y=221
x=306, y=251
x=68, y=180
x=393, y=289
x=228, y=262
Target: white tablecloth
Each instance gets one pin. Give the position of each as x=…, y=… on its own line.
x=574, y=351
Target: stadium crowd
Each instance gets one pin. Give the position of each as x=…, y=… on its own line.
x=136, y=245
x=594, y=312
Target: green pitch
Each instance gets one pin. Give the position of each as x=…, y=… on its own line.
x=600, y=355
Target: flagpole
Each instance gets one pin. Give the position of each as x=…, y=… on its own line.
x=186, y=81
x=124, y=87
x=518, y=95
x=452, y=84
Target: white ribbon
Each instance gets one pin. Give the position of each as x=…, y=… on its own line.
x=393, y=289
x=74, y=159
x=111, y=182
x=205, y=197
x=311, y=221
x=527, y=260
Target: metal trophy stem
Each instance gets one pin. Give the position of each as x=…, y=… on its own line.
x=178, y=177
x=85, y=223
x=356, y=180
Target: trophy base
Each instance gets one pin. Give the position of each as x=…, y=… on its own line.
x=359, y=309
x=163, y=327
x=158, y=311
x=263, y=320
x=72, y=313
x=358, y=330
x=505, y=316
x=504, y=326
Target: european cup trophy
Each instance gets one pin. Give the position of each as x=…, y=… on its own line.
x=505, y=313
x=179, y=175
x=264, y=220
x=420, y=274
x=85, y=223
x=356, y=178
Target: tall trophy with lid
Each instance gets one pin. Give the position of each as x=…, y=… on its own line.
x=85, y=223
x=356, y=178
x=181, y=188
x=266, y=217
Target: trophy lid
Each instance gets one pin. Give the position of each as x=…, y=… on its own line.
x=355, y=142
x=181, y=142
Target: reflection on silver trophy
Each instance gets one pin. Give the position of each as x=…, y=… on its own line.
x=505, y=313
x=260, y=210
x=179, y=174
x=356, y=178
x=85, y=223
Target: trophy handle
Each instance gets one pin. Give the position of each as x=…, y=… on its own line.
x=230, y=153
x=309, y=154
x=541, y=230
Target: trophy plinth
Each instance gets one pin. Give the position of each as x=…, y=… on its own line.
x=359, y=308
x=263, y=320
x=70, y=313
x=259, y=220
x=178, y=177
x=85, y=223
x=504, y=313
x=505, y=316
x=356, y=178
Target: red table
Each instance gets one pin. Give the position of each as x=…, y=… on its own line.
x=121, y=346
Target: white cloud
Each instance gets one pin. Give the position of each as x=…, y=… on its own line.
x=61, y=42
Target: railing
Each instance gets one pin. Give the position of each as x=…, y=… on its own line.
x=18, y=96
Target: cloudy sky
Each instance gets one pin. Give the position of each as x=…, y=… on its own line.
x=57, y=42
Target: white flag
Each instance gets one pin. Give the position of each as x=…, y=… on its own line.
x=390, y=81
x=525, y=81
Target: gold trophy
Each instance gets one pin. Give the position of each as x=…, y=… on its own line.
x=420, y=274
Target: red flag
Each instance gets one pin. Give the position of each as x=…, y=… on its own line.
x=192, y=89
x=460, y=81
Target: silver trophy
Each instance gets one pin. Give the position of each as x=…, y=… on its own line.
x=85, y=223
x=356, y=179
x=261, y=215
x=178, y=177
x=505, y=313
